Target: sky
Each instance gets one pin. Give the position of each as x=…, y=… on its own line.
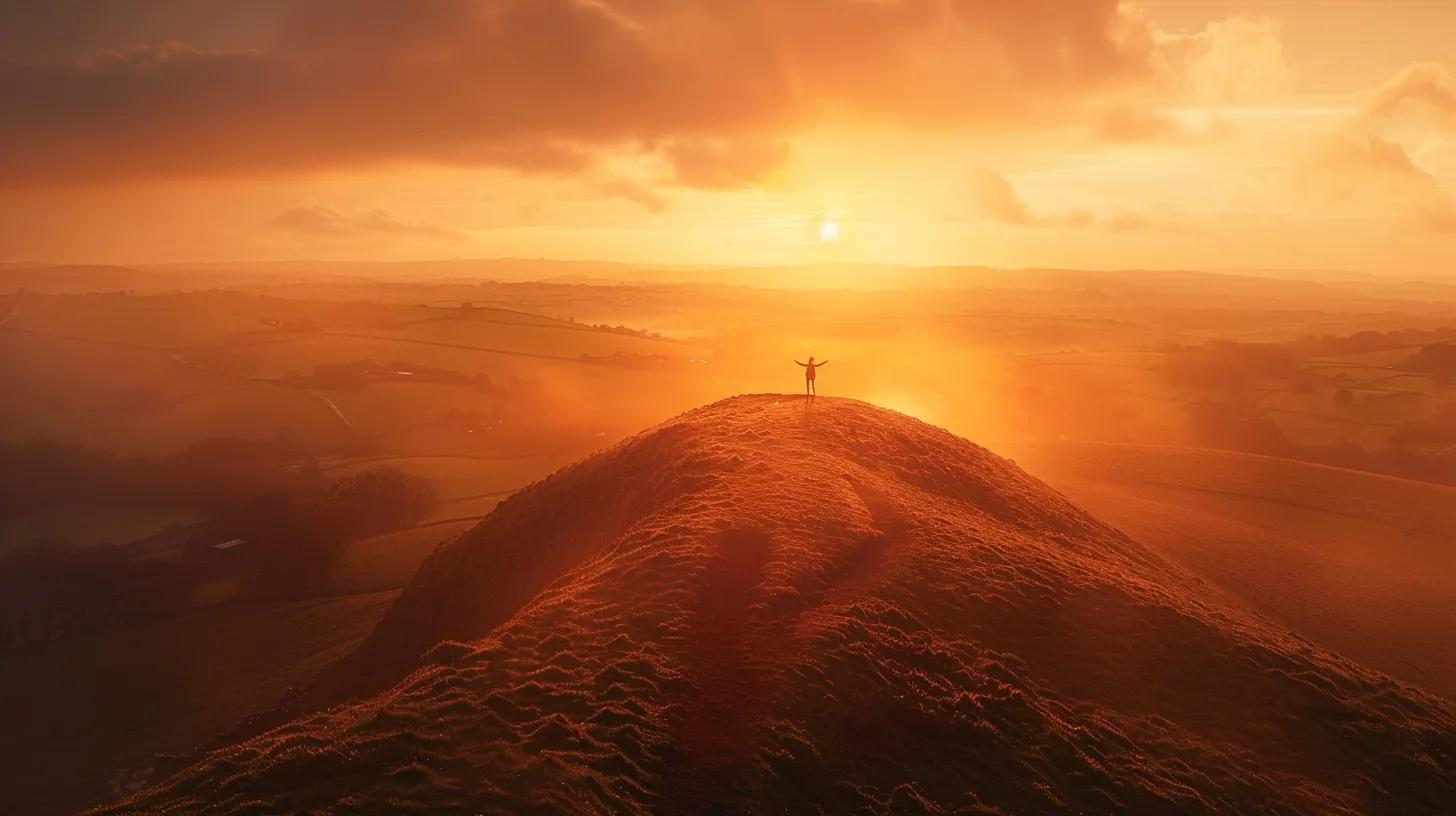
x=1209, y=134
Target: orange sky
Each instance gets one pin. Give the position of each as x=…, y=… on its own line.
x=1082, y=133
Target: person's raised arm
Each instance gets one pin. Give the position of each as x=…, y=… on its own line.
x=818, y=365
x=805, y=365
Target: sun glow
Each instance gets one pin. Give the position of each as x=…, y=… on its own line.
x=829, y=231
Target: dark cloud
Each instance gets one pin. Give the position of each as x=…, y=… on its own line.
x=531, y=84
x=61, y=31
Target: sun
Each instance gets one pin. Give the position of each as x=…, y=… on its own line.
x=828, y=231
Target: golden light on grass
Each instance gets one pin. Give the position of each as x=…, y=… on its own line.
x=903, y=402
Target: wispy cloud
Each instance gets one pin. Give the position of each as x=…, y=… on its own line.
x=994, y=199
x=631, y=190
x=379, y=222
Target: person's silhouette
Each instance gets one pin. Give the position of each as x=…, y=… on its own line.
x=809, y=375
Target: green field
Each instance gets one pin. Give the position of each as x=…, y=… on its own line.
x=388, y=561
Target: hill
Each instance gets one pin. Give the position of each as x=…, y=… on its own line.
x=57, y=278
x=768, y=605
x=1363, y=564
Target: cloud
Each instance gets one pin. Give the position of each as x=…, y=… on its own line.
x=1131, y=123
x=1363, y=154
x=1365, y=169
x=1141, y=124
x=994, y=199
x=379, y=222
x=539, y=85
x=1441, y=216
x=1426, y=91
x=717, y=164
x=997, y=200
x=1236, y=61
x=633, y=191
x=1357, y=172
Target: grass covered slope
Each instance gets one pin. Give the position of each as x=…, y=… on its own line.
x=767, y=605
x=1360, y=563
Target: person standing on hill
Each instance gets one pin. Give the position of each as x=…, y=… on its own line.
x=809, y=375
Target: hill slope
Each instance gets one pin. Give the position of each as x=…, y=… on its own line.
x=765, y=605
x=1360, y=563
